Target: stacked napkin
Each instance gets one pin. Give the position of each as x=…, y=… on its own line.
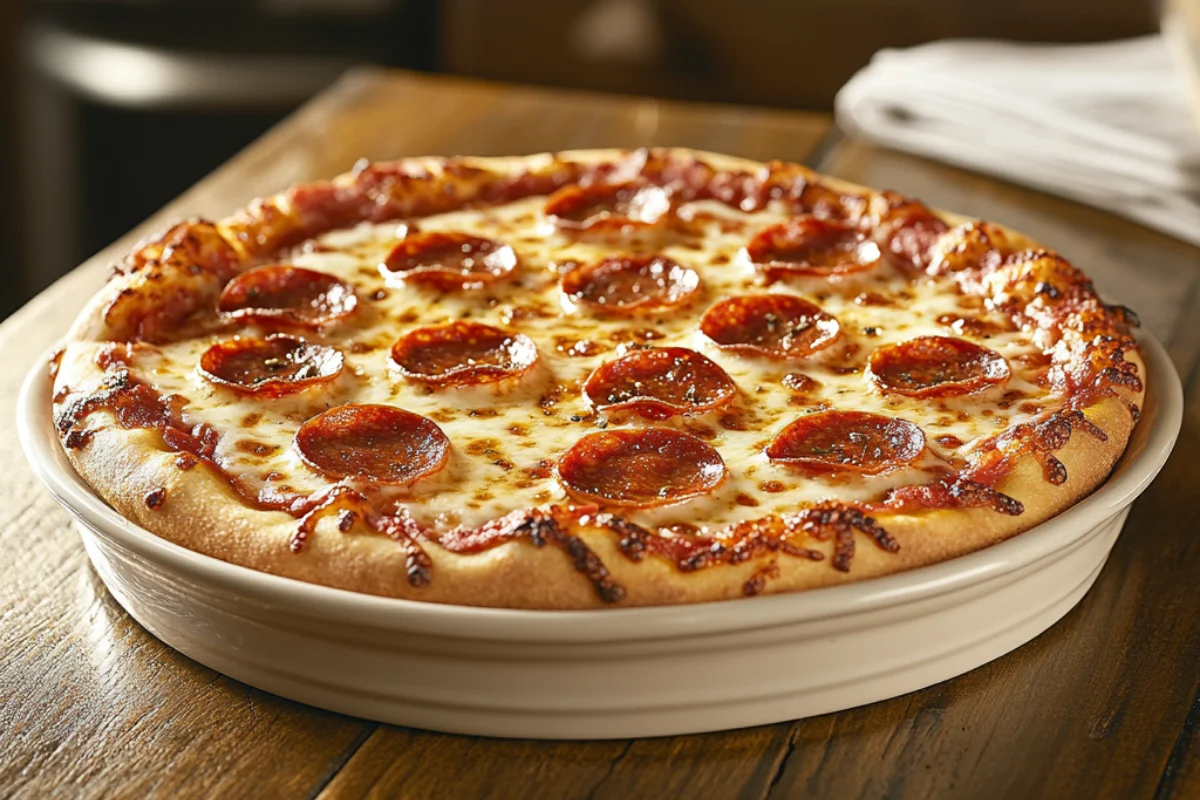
x=1106, y=124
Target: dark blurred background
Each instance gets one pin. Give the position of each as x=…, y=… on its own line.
x=112, y=107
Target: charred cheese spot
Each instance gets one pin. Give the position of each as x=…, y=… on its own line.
x=253, y=448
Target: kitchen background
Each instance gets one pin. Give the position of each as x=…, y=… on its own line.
x=112, y=107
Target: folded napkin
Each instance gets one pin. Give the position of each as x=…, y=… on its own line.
x=1106, y=124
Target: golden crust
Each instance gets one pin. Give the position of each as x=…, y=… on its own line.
x=201, y=512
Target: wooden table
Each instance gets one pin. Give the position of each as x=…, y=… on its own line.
x=1104, y=703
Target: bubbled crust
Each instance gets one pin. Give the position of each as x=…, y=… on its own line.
x=171, y=276
x=202, y=513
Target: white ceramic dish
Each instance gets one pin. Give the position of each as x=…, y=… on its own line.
x=609, y=673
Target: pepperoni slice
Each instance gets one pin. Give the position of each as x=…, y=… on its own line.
x=640, y=468
x=631, y=284
x=908, y=232
x=936, y=366
x=291, y=295
x=462, y=353
x=850, y=441
x=380, y=444
x=449, y=261
x=780, y=326
x=810, y=246
x=658, y=384
x=608, y=206
x=274, y=366
x=823, y=202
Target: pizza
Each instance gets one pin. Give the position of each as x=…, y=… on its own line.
x=593, y=379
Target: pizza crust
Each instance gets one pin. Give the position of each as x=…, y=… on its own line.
x=201, y=512
x=104, y=318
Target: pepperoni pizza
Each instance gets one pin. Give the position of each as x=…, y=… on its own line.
x=593, y=379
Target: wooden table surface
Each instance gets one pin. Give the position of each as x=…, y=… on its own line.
x=1103, y=704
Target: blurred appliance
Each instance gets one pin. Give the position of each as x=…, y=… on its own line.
x=125, y=103
x=794, y=53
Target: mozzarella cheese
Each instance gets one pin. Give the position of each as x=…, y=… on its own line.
x=506, y=440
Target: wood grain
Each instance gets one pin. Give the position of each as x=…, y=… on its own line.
x=402, y=763
x=92, y=705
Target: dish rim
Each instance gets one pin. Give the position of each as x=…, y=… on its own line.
x=1163, y=414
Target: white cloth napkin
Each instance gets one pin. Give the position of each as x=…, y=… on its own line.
x=1106, y=124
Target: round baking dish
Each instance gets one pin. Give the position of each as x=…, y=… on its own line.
x=611, y=673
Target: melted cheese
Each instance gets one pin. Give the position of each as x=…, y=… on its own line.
x=506, y=441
